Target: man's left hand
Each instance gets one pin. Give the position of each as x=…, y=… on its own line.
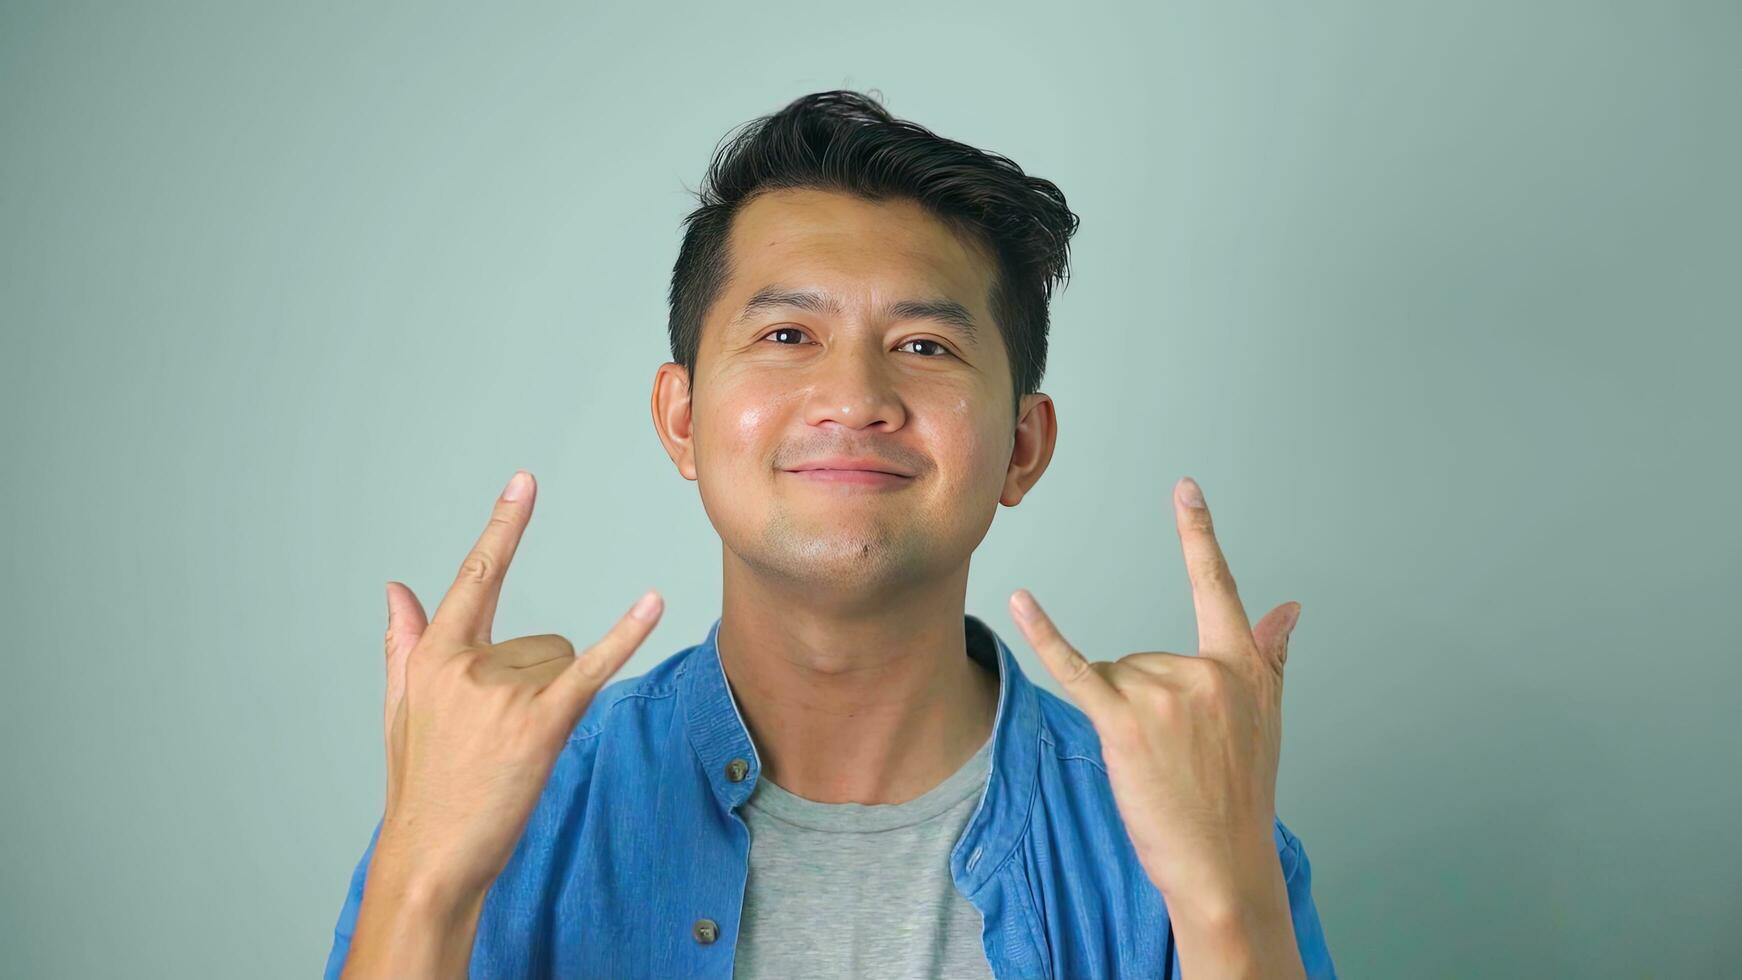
x=1191, y=743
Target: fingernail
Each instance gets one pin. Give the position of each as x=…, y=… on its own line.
x=1191, y=493
x=1025, y=605
x=644, y=607
x=1293, y=618
x=516, y=485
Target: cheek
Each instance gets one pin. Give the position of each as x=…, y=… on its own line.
x=744, y=424
x=746, y=421
x=981, y=451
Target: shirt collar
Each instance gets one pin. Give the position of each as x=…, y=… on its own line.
x=721, y=741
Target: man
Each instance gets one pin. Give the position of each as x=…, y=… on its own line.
x=849, y=776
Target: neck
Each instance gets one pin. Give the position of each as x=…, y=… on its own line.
x=857, y=702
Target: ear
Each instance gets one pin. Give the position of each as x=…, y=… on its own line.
x=1036, y=434
x=671, y=416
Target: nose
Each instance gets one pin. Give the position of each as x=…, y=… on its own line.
x=851, y=387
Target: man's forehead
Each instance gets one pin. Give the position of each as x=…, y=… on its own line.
x=852, y=250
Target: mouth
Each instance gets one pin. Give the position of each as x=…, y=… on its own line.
x=851, y=478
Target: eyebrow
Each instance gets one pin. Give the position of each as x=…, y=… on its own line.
x=938, y=310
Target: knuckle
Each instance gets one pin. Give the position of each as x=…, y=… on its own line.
x=503, y=522
x=1208, y=676
x=1077, y=666
x=467, y=664
x=592, y=664
x=479, y=566
x=1213, y=570
x=1162, y=699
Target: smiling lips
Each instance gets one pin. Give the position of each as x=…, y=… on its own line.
x=859, y=463
x=867, y=478
x=851, y=471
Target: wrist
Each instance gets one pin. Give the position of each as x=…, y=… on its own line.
x=1227, y=898
x=1240, y=926
x=429, y=897
x=429, y=887
x=1215, y=880
x=413, y=923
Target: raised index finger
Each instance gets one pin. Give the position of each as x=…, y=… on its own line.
x=1222, y=625
x=470, y=605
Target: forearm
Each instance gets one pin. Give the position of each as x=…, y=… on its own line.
x=408, y=926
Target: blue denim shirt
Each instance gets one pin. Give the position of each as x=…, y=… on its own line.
x=634, y=860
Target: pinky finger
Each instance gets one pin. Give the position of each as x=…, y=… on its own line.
x=569, y=693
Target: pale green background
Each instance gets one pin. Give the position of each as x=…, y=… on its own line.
x=1439, y=303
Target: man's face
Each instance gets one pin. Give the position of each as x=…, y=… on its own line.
x=783, y=384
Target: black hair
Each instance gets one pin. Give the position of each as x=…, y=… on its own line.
x=844, y=141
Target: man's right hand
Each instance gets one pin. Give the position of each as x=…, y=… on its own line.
x=472, y=729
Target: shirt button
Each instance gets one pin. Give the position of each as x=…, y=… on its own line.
x=736, y=770
x=705, y=931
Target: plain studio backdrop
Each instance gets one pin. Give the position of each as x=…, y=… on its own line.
x=1438, y=302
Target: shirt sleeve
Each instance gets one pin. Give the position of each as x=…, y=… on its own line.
x=347, y=925
x=1309, y=933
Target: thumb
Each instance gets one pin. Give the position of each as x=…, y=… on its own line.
x=405, y=619
x=1272, y=632
x=405, y=625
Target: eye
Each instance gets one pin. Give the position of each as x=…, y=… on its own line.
x=943, y=351
x=782, y=330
